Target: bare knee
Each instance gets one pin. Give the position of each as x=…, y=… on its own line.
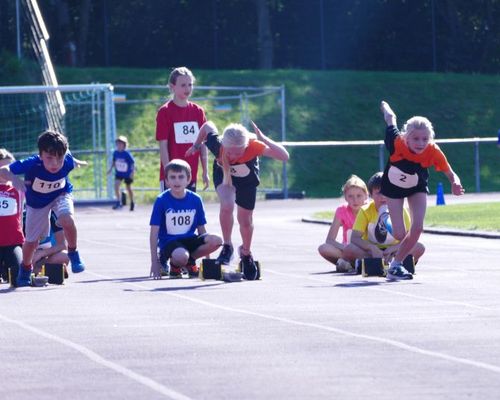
x=66, y=221
x=179, y=257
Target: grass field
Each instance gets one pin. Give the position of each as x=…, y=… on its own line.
x=480, y=216
x=331, y=105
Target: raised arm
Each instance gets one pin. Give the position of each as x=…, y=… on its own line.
x=205, y=129
x=7, y=175
x=389, y=114
x=273, y=150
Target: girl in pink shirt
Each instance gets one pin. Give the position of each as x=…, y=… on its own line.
x=355, y=194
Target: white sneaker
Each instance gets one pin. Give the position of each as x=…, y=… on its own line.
x=344, y=266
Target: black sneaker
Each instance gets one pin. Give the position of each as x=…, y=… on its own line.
x=117, y=206
x=226, y=254
x=249, y=268
x=132, y=205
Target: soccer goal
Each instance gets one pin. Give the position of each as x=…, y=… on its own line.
x=88, y=122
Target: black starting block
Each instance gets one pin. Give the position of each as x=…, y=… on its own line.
x=55, y=273
x=12, y=276
x=212, y=269
x=409, y=264
x=372, y=267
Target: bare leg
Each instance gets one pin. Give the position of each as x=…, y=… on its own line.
x=418, y=206
x=227, y=199
x=245, y=220
x=68, y=224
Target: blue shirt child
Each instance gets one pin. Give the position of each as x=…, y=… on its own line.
x=42, y=186
x=124, y=164
x=177, y=218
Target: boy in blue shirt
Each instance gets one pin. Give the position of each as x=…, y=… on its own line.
x=178, y=225
x=47, y=189
x=123, y=163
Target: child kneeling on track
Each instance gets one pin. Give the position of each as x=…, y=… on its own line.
x=355, y=194
x=124, y=165
x=412, y=151
x=177, y=215
x=11, y=213
x=47, y=188
x=371, y=233
x=236, y=177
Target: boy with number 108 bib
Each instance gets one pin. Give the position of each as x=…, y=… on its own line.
x=178, y=122
x=178, y=225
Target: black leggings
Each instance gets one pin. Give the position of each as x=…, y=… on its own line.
x=10, y=256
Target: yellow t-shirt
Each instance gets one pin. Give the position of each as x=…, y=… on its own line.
x=373, y=228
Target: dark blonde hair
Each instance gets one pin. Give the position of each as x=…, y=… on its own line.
x=355, y=181
x=6, y=155
x=178, y=165
x=180, y=71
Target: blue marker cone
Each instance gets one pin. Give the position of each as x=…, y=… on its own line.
x=440, y=195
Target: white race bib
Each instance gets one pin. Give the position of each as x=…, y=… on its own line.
x=240, y=170
x=402, y=179
x=41, y=186
x=121, y=166
x=186, y=132
x=8, y=206
x=179, y=222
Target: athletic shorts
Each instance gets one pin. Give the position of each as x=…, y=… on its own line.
x=10, y=256
x=190, y=244
x=38, y=219
x=128, y=181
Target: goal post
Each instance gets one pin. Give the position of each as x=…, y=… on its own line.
x=88, y=123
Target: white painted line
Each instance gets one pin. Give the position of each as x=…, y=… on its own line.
x=144, y=380
x=390, y=342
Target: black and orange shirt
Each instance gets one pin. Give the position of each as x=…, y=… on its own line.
x=406, y=172
x=245, y=170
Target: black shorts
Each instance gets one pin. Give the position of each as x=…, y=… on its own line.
x=190, y=244
x=10, y=256
x=127, y=181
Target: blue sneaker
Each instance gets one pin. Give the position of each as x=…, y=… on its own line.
x=397, y=273
x=23, y=277
x=77, y=264
x=225, y=255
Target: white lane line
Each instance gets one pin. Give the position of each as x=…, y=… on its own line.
x=298, y=276
x=378, y=289
x=144, y=380
x=390, y=342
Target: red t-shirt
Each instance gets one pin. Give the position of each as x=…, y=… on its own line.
x=11, y=212
x=180, y=127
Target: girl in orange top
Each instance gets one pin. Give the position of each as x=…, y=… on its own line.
x=236, y=177
x=412, y=151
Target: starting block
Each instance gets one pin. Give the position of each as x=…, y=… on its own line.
x=212, y=269
x=377, y=267
x=36, y=280
x=373, y=267
x=54, y=272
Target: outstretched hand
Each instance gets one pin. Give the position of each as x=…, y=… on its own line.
x=257, y=131
x=457, y=189
x=389, y=114
x=155, y=271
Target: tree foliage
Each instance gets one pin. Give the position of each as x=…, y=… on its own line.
x=425, y=35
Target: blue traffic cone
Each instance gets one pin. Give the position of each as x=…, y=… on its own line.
x=440, y=195
x=498, y=141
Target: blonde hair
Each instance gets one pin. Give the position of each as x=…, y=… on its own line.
x=180, y=71
x=417, y=123
x=6, y=155
x=236, y=135
x=354, y=181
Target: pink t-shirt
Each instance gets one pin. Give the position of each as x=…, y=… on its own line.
x=346, y=217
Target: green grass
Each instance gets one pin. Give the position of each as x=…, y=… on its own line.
x=476, y=216
x=331, y=105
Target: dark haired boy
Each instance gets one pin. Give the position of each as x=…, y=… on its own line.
x=178, y=225
x=47, y=189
